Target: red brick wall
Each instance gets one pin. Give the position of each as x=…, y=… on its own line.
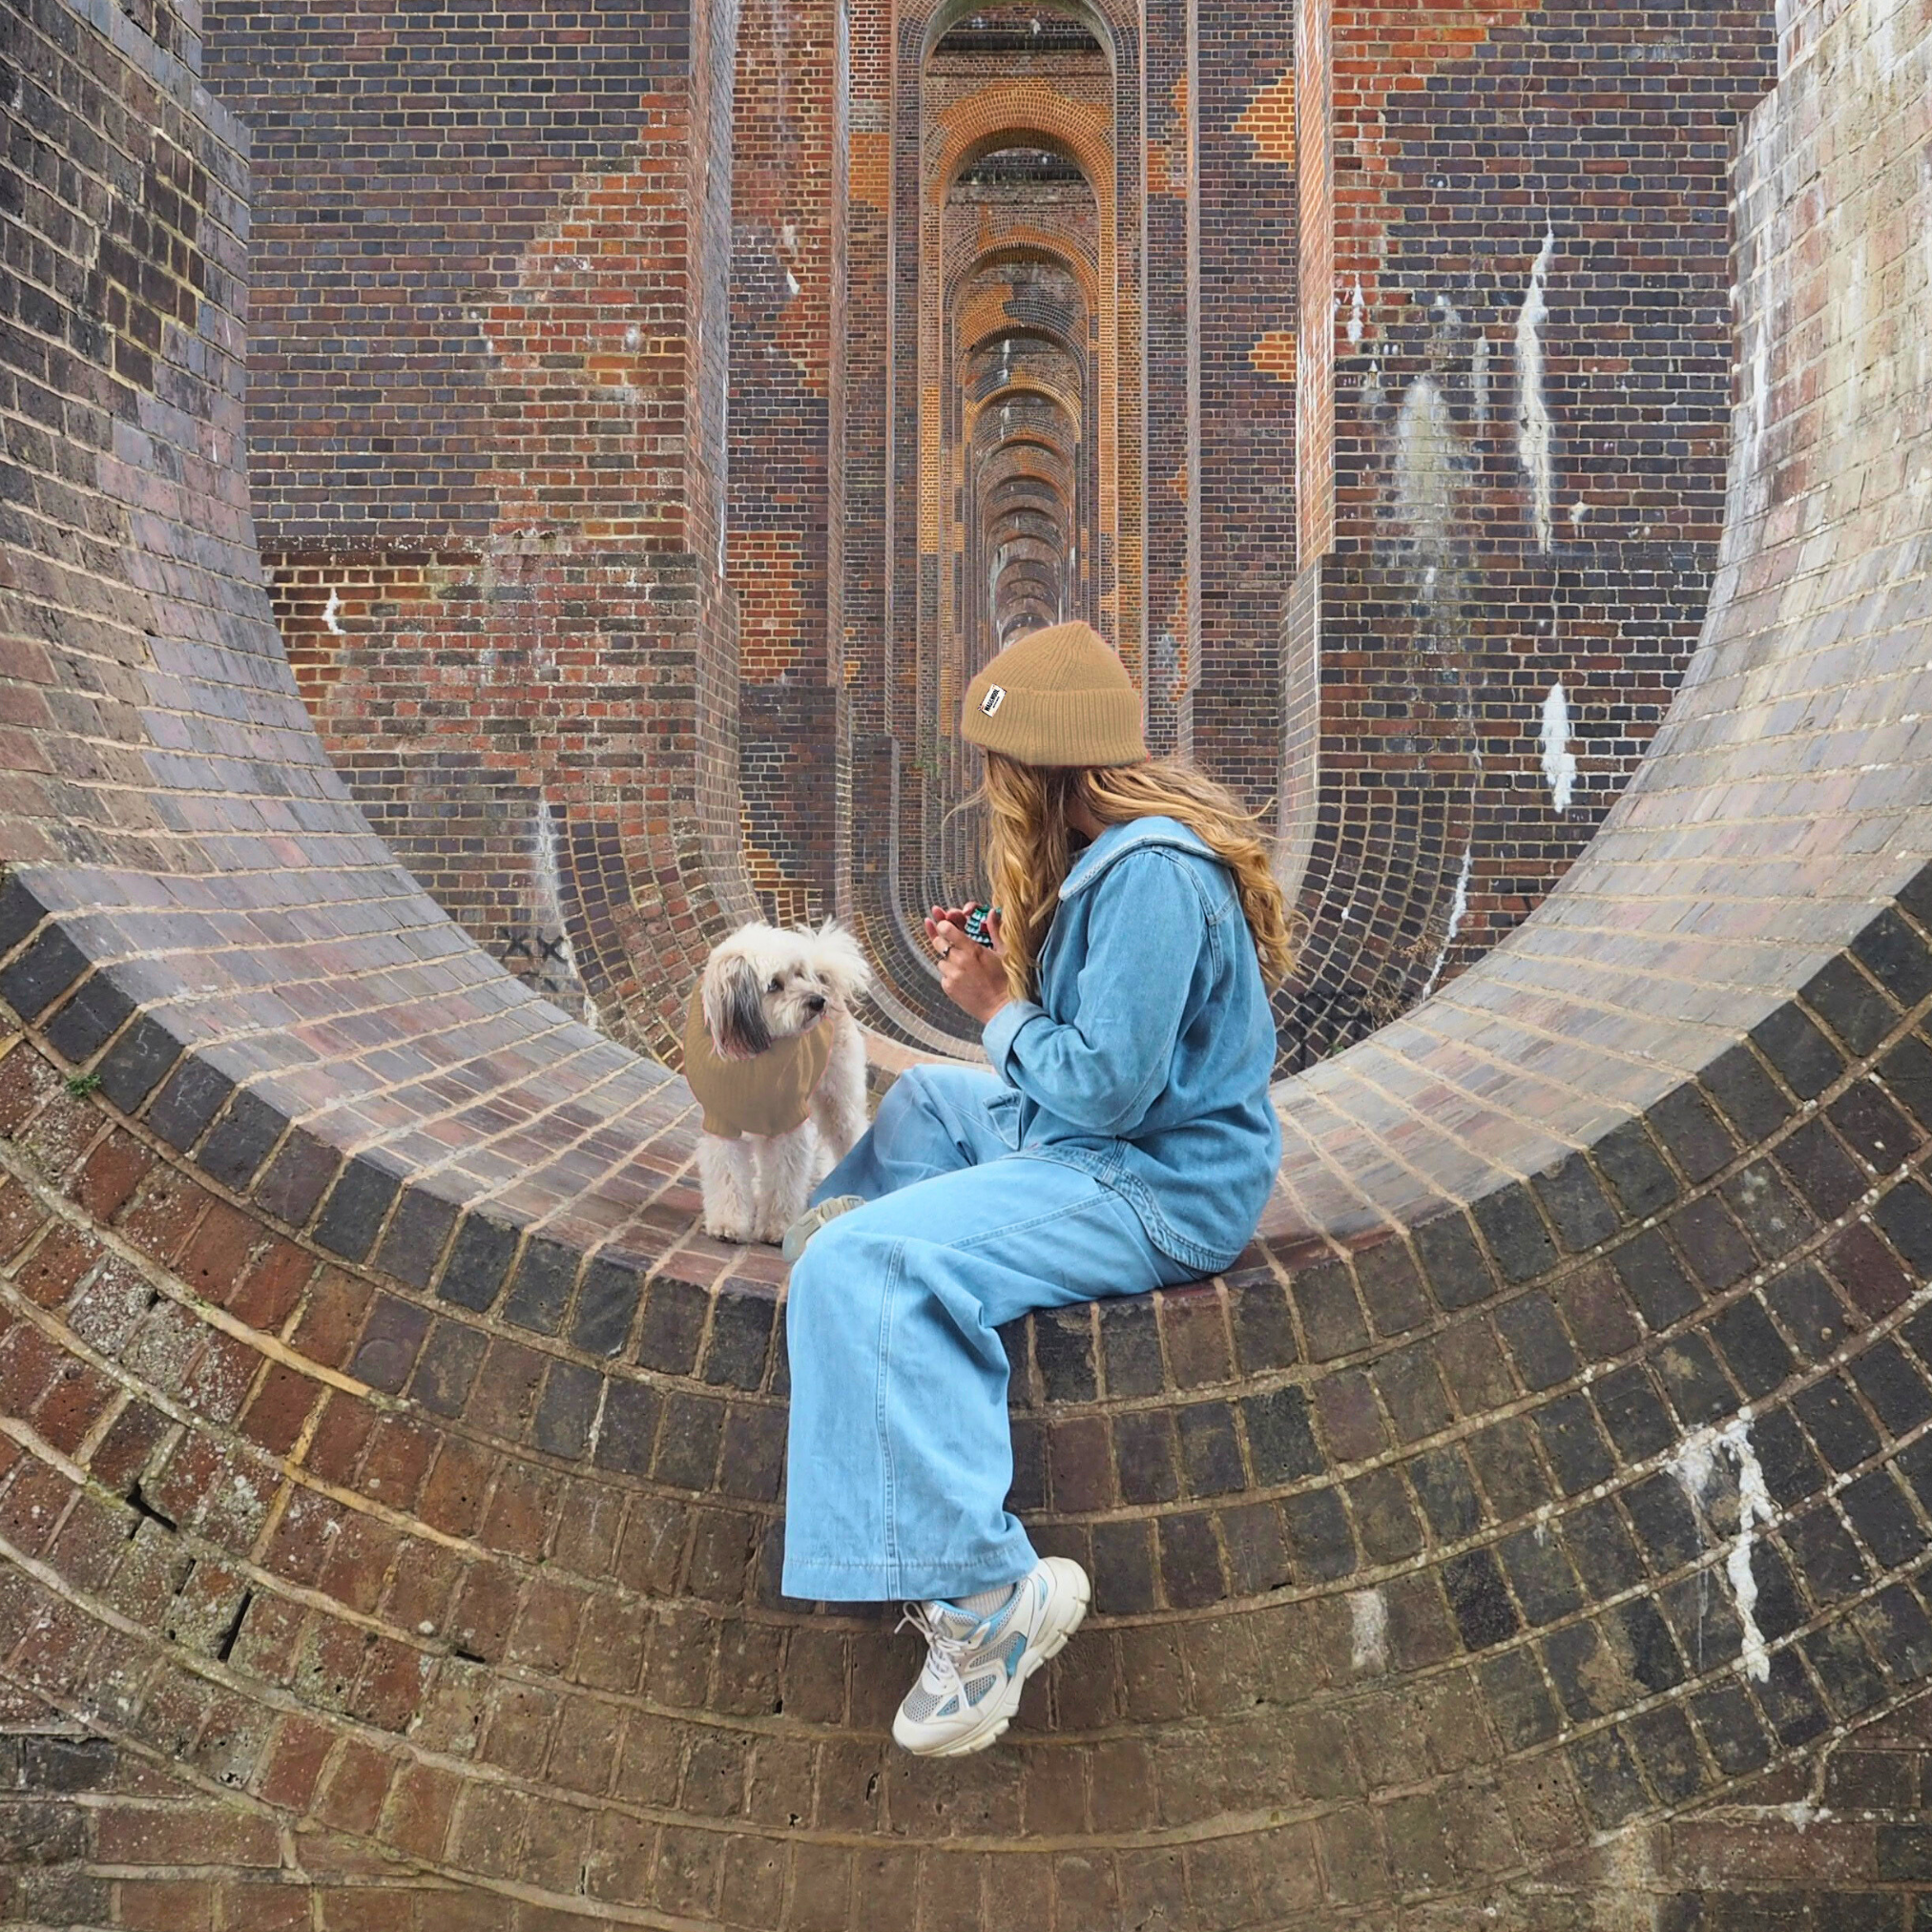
x=489, y=433
x=1440, y=616
x=1246, y=319
x=786, y=527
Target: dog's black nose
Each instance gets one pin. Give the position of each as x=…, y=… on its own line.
x=817, y=1002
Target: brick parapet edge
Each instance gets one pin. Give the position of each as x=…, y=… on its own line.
x=1526, y=1328
x=1558, y=1597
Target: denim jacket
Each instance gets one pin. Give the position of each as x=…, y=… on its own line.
x=1147, y=1057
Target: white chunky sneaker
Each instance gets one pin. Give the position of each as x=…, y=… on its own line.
x=977, y=1665
x=813, y=1219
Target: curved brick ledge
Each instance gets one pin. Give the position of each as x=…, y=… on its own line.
x=383, y=1454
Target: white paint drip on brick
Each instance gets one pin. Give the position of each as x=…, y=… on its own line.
x=1368, y=1632
x=1696, y=1466
x=1358, y=316
x=1459, y=910
x=331, y=621
x=549, y=854
x=1534, y=440
x=1754, y=1512
x=1559, y=761
x=1478, y=382
x=1425, y=466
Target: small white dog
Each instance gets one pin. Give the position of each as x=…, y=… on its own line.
x=772, y=1052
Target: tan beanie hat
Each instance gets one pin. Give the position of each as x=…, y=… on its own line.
x=1058, y=697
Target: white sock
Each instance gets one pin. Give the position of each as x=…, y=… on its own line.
x=982, y=1603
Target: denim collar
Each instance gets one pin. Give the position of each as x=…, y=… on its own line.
x=1115, y=841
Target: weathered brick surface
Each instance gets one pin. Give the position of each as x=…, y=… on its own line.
x=489, y=473
x=1532, y=1530
x=1511, y=459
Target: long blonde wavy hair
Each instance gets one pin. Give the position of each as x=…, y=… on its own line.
x=1027, y=856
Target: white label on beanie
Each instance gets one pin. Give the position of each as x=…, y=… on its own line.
x=996, y=696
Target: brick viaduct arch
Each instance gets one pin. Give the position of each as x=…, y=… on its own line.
x=1535, y=1520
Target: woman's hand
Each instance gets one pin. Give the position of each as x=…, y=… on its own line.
x=974, y=976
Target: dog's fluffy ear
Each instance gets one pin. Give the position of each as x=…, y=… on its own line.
x=839, y=961
x=732, y=993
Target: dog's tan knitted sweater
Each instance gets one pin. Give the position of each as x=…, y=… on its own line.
x=769, y=1094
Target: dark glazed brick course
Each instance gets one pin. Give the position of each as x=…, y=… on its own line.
x=1697, y=1387
x=1063, y=1344
x=85, y=1023
x=605, y=1308
x=626, y=1434
x=1541, y=1575
x=189, y=1099
x=1576, y=1205
x=1145, y=1457
x=1636, y=1170
x=297, y=1176
x=1130, y=1343
x=1485, y=1614
x=1536, y=1338
x=1696, y=1139
x=674, y=1315
x=1412, y=1392
x=1852, y=1006
x=1318, y=1540
x=1712, y=1242
x=740, y=1340
x=241, y=1140
x=1896, y=956
x=1453, y=1262
x=1736, y=1080
x=1280, y=1441
x=1264, y=1333
x=357, y=1204
x=1515, y=1234
x=1391, y=1289
x=1896, y=1390
x=1331, y=1318
x=479, y=1258
x=1798, y=1050
x=41, y=973
x=541, y=1287
x=136, y=1062
x=1753, y=1348
x=1654, y=1279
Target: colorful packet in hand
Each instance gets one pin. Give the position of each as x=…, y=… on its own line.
x=976, y=925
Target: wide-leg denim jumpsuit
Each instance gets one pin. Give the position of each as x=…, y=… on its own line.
x=1123, y=1140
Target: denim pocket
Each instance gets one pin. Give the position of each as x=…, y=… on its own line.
x=1003, y=1112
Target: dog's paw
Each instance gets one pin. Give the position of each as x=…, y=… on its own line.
x=727, y=1228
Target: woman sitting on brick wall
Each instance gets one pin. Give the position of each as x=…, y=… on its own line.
x=1124, y=1141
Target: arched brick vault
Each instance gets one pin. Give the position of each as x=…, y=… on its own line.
x=445, y=649
x=932, y=124
x=959, y=438
x=495, y=539
x=1435, y=612
x=389, y=1476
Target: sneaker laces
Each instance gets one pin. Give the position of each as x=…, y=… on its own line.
x=945, y=1650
